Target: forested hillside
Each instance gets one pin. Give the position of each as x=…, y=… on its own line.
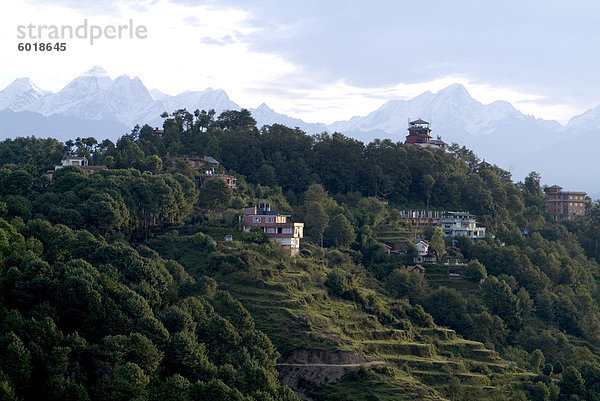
x=118, y=284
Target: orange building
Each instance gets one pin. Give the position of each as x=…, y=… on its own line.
x=564, y=205
x=275, y=225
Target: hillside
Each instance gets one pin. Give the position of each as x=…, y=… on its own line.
x=369, y=347
x=512, y=316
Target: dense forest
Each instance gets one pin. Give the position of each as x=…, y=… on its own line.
x=117, y=284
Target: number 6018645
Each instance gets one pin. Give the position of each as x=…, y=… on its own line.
x=42, y=47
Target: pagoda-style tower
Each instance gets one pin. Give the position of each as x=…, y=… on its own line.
x=418, y=135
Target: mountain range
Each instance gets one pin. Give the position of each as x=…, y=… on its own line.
x=94, y=104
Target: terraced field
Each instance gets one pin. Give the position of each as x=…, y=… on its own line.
x=425, y=362
x=333, y=349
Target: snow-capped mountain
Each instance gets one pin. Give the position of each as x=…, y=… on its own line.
x=158, y=95
x=95, y=96
x=452, y=112
x=588, y=121
x=264, y=115
x=497, y=131
x=20, y=95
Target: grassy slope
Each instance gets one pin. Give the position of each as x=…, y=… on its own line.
x=292, y=306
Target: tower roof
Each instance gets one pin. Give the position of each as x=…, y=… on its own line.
x=419, y=121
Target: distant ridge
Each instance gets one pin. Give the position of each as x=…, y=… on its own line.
x=497, y=131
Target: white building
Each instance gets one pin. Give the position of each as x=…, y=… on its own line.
x=423, y=255
x=422, y=248
x=457, y=224
x=79, y=161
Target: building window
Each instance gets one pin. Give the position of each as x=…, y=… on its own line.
x=270, y=219
x=256, y=219
x=270, y=230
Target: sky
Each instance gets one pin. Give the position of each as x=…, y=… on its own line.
x=324, y=61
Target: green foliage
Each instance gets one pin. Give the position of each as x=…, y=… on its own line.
x=571, y=383
x=338, y=282
x=339, y=232
x=558, y=367
x=501, y=301
x=83, y=319
x=316, y=220
x=402, y=283
x=204, y=242
x=255, y=235
x=475, y=271
x=141, y=317
x=214, y=193
x=437, y=242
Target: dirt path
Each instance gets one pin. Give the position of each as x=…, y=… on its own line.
x=340, y=365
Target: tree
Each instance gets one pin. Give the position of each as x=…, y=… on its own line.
x=340, y=231
x=315, y=193
x=437, y=242
x=236, y=120
x=558, y=367
x=537, y=360
x=475, y=271
x=315, y=220
x=401, y=283
x=152, y=164
x=537, y=391
x=427, y=183
x=265, y=175
x=532, y=191
x=214, y=193
x=128, y=383
x=571, y=383
x=501, y=301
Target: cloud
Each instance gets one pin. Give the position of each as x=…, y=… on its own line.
x=330, y=60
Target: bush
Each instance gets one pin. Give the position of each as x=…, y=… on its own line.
x=204, y=242
x=338, y=282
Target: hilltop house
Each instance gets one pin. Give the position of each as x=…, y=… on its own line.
x=159, y=132
x=201, y=161
x=78, y=161
x=419, y=136
x=275, y=225
x=564, y=205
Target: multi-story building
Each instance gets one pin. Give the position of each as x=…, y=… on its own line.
x=419, y=136
x=275, y=225
x=456, y=224
x=564, y=205
x=420, y=219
